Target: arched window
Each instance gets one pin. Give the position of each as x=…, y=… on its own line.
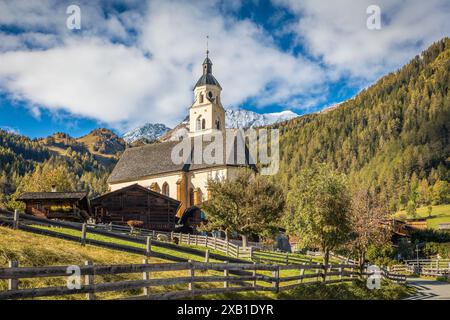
x=165, y=189
x=218, y=124
x=198, y=124
x=201, y=98
x=203, y=124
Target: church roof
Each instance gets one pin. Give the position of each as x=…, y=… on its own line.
x=207, y=79
x=153, y=159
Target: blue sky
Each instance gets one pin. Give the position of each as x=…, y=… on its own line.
x=134, y=61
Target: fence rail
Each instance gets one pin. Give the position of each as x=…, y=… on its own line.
x=34, y=224
x=272, y=280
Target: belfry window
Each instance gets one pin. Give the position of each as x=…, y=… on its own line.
x=218, y=124
x=201, y=98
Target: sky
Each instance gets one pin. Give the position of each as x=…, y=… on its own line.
x=134, y=61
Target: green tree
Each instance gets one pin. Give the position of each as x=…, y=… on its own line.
x=248, y=204
x=43, y=179
x=318, y=209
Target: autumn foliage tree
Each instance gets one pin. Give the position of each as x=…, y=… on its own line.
x=368, y=216
x=248, y=204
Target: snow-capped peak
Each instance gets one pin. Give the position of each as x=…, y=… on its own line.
x=148, y=131
x=240, y=118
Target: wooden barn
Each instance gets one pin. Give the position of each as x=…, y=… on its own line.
x=69, y=206
x=135, y=202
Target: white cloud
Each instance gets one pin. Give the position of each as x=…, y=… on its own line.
x=128, y=67
x=151, y=79
x=336, y=32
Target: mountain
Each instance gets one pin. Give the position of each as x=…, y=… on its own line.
x=393, y=136
x=240, y=118
x=235, y=118
x=149, y=132
x=101, y=143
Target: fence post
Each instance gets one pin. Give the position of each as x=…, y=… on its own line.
x=329, y=270
x=287, y=258
x=83, y=234
x=146, y=276
x=317, y=272
x=16, y=219
x=276, y=283
x=302, y=272
x=154, y=234
x=341, y=270
x=206, y=240
x=254, y=275
x=207, y=256
x=227, y=247
x=251, y=253
x=215, y=243
x=237, y=251
x=189, y=239
x=13, y=284
x=89, y=280
x=196, y=239
x=148, y=247
x=171, y=235
x=225, y=274
x=191, y=274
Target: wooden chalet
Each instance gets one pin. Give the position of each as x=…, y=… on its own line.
x=155, y=210
x=70, y=206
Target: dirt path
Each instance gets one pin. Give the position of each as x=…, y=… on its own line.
x=429, y=289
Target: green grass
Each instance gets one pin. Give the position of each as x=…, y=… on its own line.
x=439, y=214
x=98, y=237
x=38, y=250
x=355, y=290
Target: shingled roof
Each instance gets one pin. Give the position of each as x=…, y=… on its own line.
x=52, y=196
x=148, y=160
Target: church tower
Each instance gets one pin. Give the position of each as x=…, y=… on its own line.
x=207, y=113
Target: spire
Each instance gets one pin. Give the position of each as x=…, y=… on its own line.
x=207, y=64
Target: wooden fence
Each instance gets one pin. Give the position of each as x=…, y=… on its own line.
x=34, y=224
x=220, y=279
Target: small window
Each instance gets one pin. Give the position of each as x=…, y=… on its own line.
x=201, y=98
x=210, y=95
x=218, y=124
x=203, y=124
x=198, y=124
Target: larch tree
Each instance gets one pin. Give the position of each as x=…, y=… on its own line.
x=318, y=209
x=248, y=204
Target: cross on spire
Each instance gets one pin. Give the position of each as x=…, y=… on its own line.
x=207, y=45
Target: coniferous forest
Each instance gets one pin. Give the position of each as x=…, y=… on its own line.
x=393, y=137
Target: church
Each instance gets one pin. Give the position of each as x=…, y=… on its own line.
x=152, y=167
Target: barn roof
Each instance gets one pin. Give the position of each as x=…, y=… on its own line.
x=52, y=196
x=134, y=186
x=148, y=160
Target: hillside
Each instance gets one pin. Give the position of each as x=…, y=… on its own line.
x=21, y=159
x=393, y=136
